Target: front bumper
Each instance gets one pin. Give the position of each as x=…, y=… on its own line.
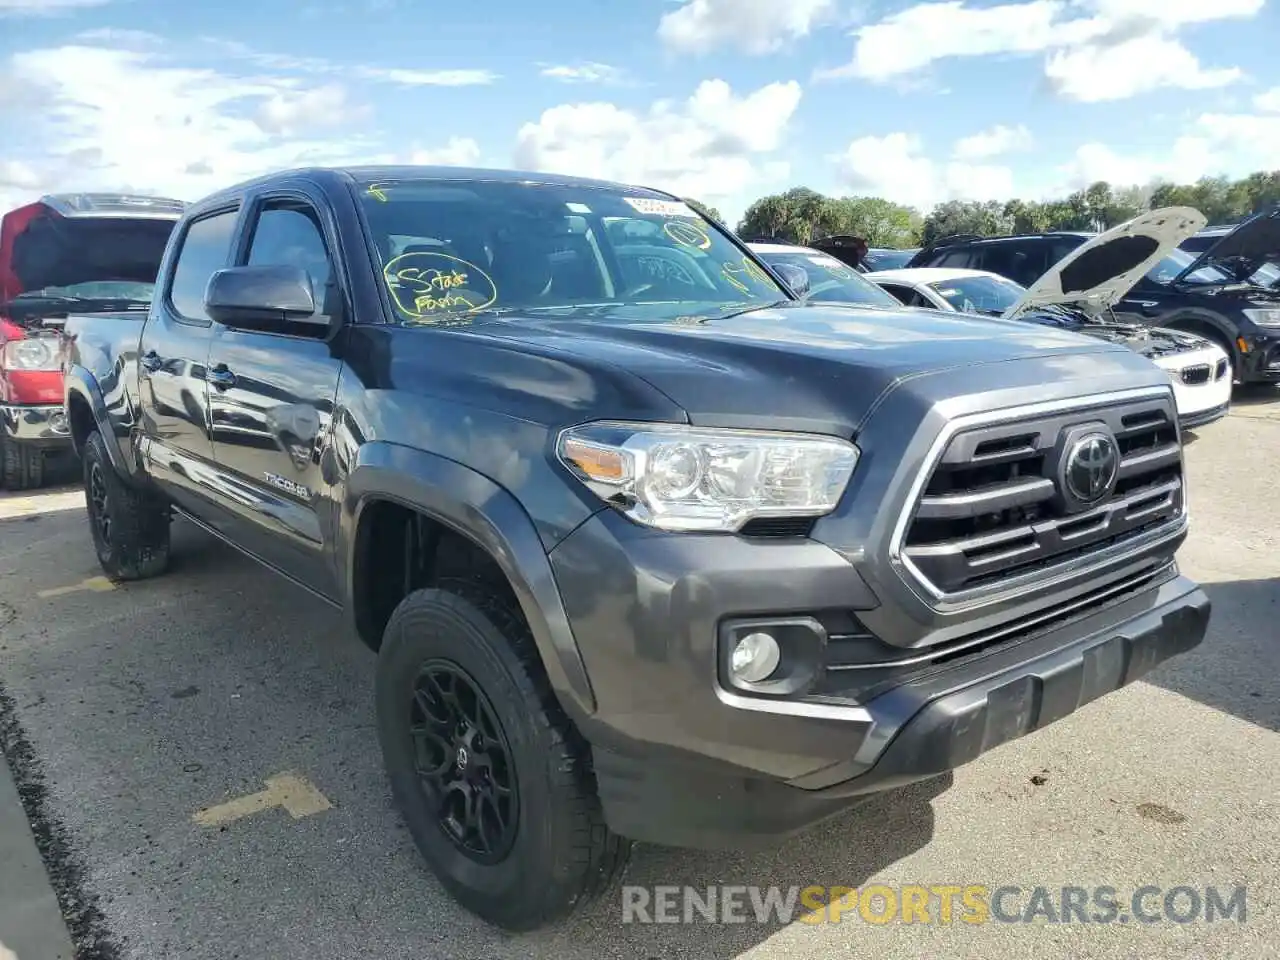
x=1202, y=418
x=681, y=760
x=43, y=425
x=1261, y=362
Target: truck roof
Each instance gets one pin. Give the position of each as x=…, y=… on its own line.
x=376, y=173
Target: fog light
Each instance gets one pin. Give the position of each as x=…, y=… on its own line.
x=755, y=658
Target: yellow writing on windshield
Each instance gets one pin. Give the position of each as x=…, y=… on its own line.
x=688, y=234
x=375, y=190
x=737, y=272
x=426, y=285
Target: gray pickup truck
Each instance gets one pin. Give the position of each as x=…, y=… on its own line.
x=649, y=548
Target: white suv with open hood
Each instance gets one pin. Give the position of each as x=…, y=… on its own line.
x=1078, y=293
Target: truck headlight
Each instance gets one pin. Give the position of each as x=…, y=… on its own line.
x=675, y=477
x=31, y=353
x=1264, y=316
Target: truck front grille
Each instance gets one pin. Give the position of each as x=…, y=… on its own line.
x=1021, y=498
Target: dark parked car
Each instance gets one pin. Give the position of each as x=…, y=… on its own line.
x=1209, y=294
x=648, y=548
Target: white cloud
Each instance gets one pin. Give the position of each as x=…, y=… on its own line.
x=290, y=112
x=458, y=152
x=751, y=26
x=118, y=37
x=895, y=167
x=1093, y=74
x=1268, y=101
x=42, y=8
x=1095, y=49
x=425, y=78
x=118, y=119
x=1214, y=144
x=583, y=73
x=995, y=142
x=403, y=76
x=714, y=146
x=17, y=175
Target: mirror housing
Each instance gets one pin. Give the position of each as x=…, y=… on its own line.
x=270, y=295
x=796, y=278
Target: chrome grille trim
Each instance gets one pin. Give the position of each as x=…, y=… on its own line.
x=1017, y=585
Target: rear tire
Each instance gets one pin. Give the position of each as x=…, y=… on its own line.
x=21, y=465
x=130, y=527
x=549, y=850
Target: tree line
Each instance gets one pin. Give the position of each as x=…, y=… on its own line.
x=801, y=215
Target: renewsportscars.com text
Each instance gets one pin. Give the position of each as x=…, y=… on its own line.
x=933, y=904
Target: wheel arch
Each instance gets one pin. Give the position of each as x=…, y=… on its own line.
x=470, y=506
x=86, y=412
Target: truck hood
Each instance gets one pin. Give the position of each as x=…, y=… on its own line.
x=1243, y=251
x=824, y=364
x=1104, y=269
x=1151, y=342
x=41, y=248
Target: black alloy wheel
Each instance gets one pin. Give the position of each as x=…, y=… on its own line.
x=464, y=762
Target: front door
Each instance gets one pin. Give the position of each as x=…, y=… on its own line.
x=270, y=401
x=172, y=392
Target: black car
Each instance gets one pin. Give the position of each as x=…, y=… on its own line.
x=1212, y=294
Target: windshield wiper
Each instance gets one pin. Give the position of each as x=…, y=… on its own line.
x=756, y=307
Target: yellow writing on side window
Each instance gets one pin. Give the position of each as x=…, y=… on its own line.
x=428, y=285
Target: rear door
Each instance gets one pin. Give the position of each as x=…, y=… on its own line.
x=271, y=398
x=172, y=392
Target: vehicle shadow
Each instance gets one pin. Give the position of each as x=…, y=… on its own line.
x=843, y=852
x=1237, y=667
x=1254, y=394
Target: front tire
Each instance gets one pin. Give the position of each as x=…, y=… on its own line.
x=21, y=465
x=493, y=780
x=130, y=527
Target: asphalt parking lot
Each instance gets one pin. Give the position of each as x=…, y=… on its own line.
x=141, y=706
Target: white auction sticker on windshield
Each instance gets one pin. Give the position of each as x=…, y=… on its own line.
x=661, y=208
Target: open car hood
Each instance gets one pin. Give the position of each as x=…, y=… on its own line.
x=1245, y=250
x=1105, y=268
x=59, y=241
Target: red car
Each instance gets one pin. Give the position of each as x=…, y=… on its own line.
x=69, y=253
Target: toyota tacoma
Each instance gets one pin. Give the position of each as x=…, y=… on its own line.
x=649, y=549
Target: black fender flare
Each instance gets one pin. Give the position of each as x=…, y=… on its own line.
x=80, y=385
x=1179, y=320
x=475, y=507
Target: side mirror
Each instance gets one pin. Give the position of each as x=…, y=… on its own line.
x=796, y=278
x=270, y=295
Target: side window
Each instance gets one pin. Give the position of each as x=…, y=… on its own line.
x=1018, y=262
x=902, y=294
x=205, y=249
x=288, y=232
x=920, y=300
x=955, y=258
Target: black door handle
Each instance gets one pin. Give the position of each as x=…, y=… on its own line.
x=221, y=377
x=151, y=361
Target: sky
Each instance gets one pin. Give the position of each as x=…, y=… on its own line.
x=720, y=100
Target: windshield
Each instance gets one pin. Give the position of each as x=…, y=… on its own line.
x=453, y=248
x=831, y=281
x=1167, y=270
x=96, y=290
x=990, y=295
x=887, y=259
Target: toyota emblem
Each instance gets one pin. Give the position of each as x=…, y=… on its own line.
x=1090, y=467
